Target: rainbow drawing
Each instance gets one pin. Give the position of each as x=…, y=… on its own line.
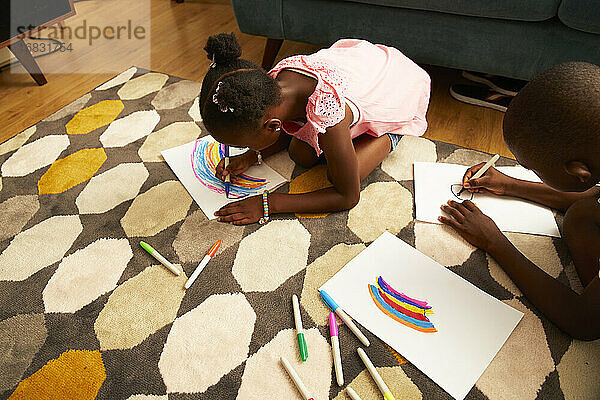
x=401, y=308
x=206, y=157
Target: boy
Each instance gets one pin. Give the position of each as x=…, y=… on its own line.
x=553, y=128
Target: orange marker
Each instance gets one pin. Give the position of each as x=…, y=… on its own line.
x=202, y=264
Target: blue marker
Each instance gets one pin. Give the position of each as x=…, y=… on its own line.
x=227, y=178
x=333, y=306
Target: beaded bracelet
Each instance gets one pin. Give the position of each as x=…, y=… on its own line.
x=265, y=218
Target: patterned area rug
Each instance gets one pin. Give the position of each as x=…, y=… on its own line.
x=85, y=313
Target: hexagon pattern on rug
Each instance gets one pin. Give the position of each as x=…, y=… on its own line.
x=194, y=111
x=139, y=307
x=282, y=163
x=192, y=360
x=72, y=170
x=176, y=94
x=383, y=206
x=22, y=257
x=522, y=364
x=156, y=209
x=86, y=274
x=70, y=108
x=130, y=128
x=399, y=163
x=142, y=86
x=118, y=80
x=285, y=241
x=399, y=384
x=538, y=249
x=94, y=117
x=579, y=369
x=265, y=378
x=310, y=181
x=76, y=374
x=35, y=155
x=111, y=188
x=442, y=243
x=17, y=141
x=21, y=337
x=14, y=214
x=172, y=135
x=466, y=157
x=197, y=234
x=319, y=272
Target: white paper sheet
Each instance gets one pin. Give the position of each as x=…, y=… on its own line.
x=432, y=189
x=471, y=325
x=179, y=159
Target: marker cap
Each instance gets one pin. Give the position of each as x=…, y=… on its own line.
x=213, y=249
x=333, y=328
x=328, y=301
x=147, y=247
x=302, y=346
x=388, y=396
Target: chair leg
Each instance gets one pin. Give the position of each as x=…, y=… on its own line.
x=21, y=51
x=271, y=49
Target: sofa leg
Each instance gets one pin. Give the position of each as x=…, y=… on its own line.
x=271, y=49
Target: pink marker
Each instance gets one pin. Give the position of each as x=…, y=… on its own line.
x=335, y=347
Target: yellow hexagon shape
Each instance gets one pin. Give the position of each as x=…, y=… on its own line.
x=94, y=117
x=310, y=181
x=67, y=172
x=76, y=374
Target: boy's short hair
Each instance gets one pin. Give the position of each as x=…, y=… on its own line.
x=556, y=116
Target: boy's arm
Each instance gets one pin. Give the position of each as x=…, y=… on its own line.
x=578, y=315
x=495, y=182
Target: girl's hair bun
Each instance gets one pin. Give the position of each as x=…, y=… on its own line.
x=223, y=47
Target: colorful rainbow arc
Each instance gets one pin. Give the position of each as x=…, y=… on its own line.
x=206, y=157
x=401, y=308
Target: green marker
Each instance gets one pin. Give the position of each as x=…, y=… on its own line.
x=160, y=258
x=300, y=334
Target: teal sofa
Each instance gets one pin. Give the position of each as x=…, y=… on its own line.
x=512, y=38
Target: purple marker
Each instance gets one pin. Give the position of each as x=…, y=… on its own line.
x=335, y=347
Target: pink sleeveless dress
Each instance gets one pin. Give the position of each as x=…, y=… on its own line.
x=390, y=92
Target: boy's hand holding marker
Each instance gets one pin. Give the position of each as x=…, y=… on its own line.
x=493, y=181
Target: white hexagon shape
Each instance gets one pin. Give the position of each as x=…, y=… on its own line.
x=319, y=272
x=119, y=79
x=280, y=248
x=194, y=110
x=399, y=163
x=466, y=157
x=206, y=343
x=17, y=141
x=156, y=209
x=579, y=369
x=522, y=364
x=442, y=243
x=35, y=155
x=15, y=212
x=109, y=189
x=87, y=274
x=142, y=85
x=130, y=128
x=71, y=108
x=139, y=307
x=265, y=378
x=383, y=206
x=539, y=250
x=24, y=256
x=173, y=135
x=176, y=95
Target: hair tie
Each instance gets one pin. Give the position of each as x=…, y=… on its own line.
x=213, y=61
x=223, y=108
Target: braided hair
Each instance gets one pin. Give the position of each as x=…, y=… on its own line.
x=235, y=92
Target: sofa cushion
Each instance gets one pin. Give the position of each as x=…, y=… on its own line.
x=581, y=14
x=520, y=10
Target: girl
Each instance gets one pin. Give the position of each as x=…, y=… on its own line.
x=348, y=104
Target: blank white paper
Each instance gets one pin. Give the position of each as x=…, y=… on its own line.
x=179, y=159
x=471, y=325
x=432, y=189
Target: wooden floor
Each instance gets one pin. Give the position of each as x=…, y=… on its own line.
x=178, y=35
